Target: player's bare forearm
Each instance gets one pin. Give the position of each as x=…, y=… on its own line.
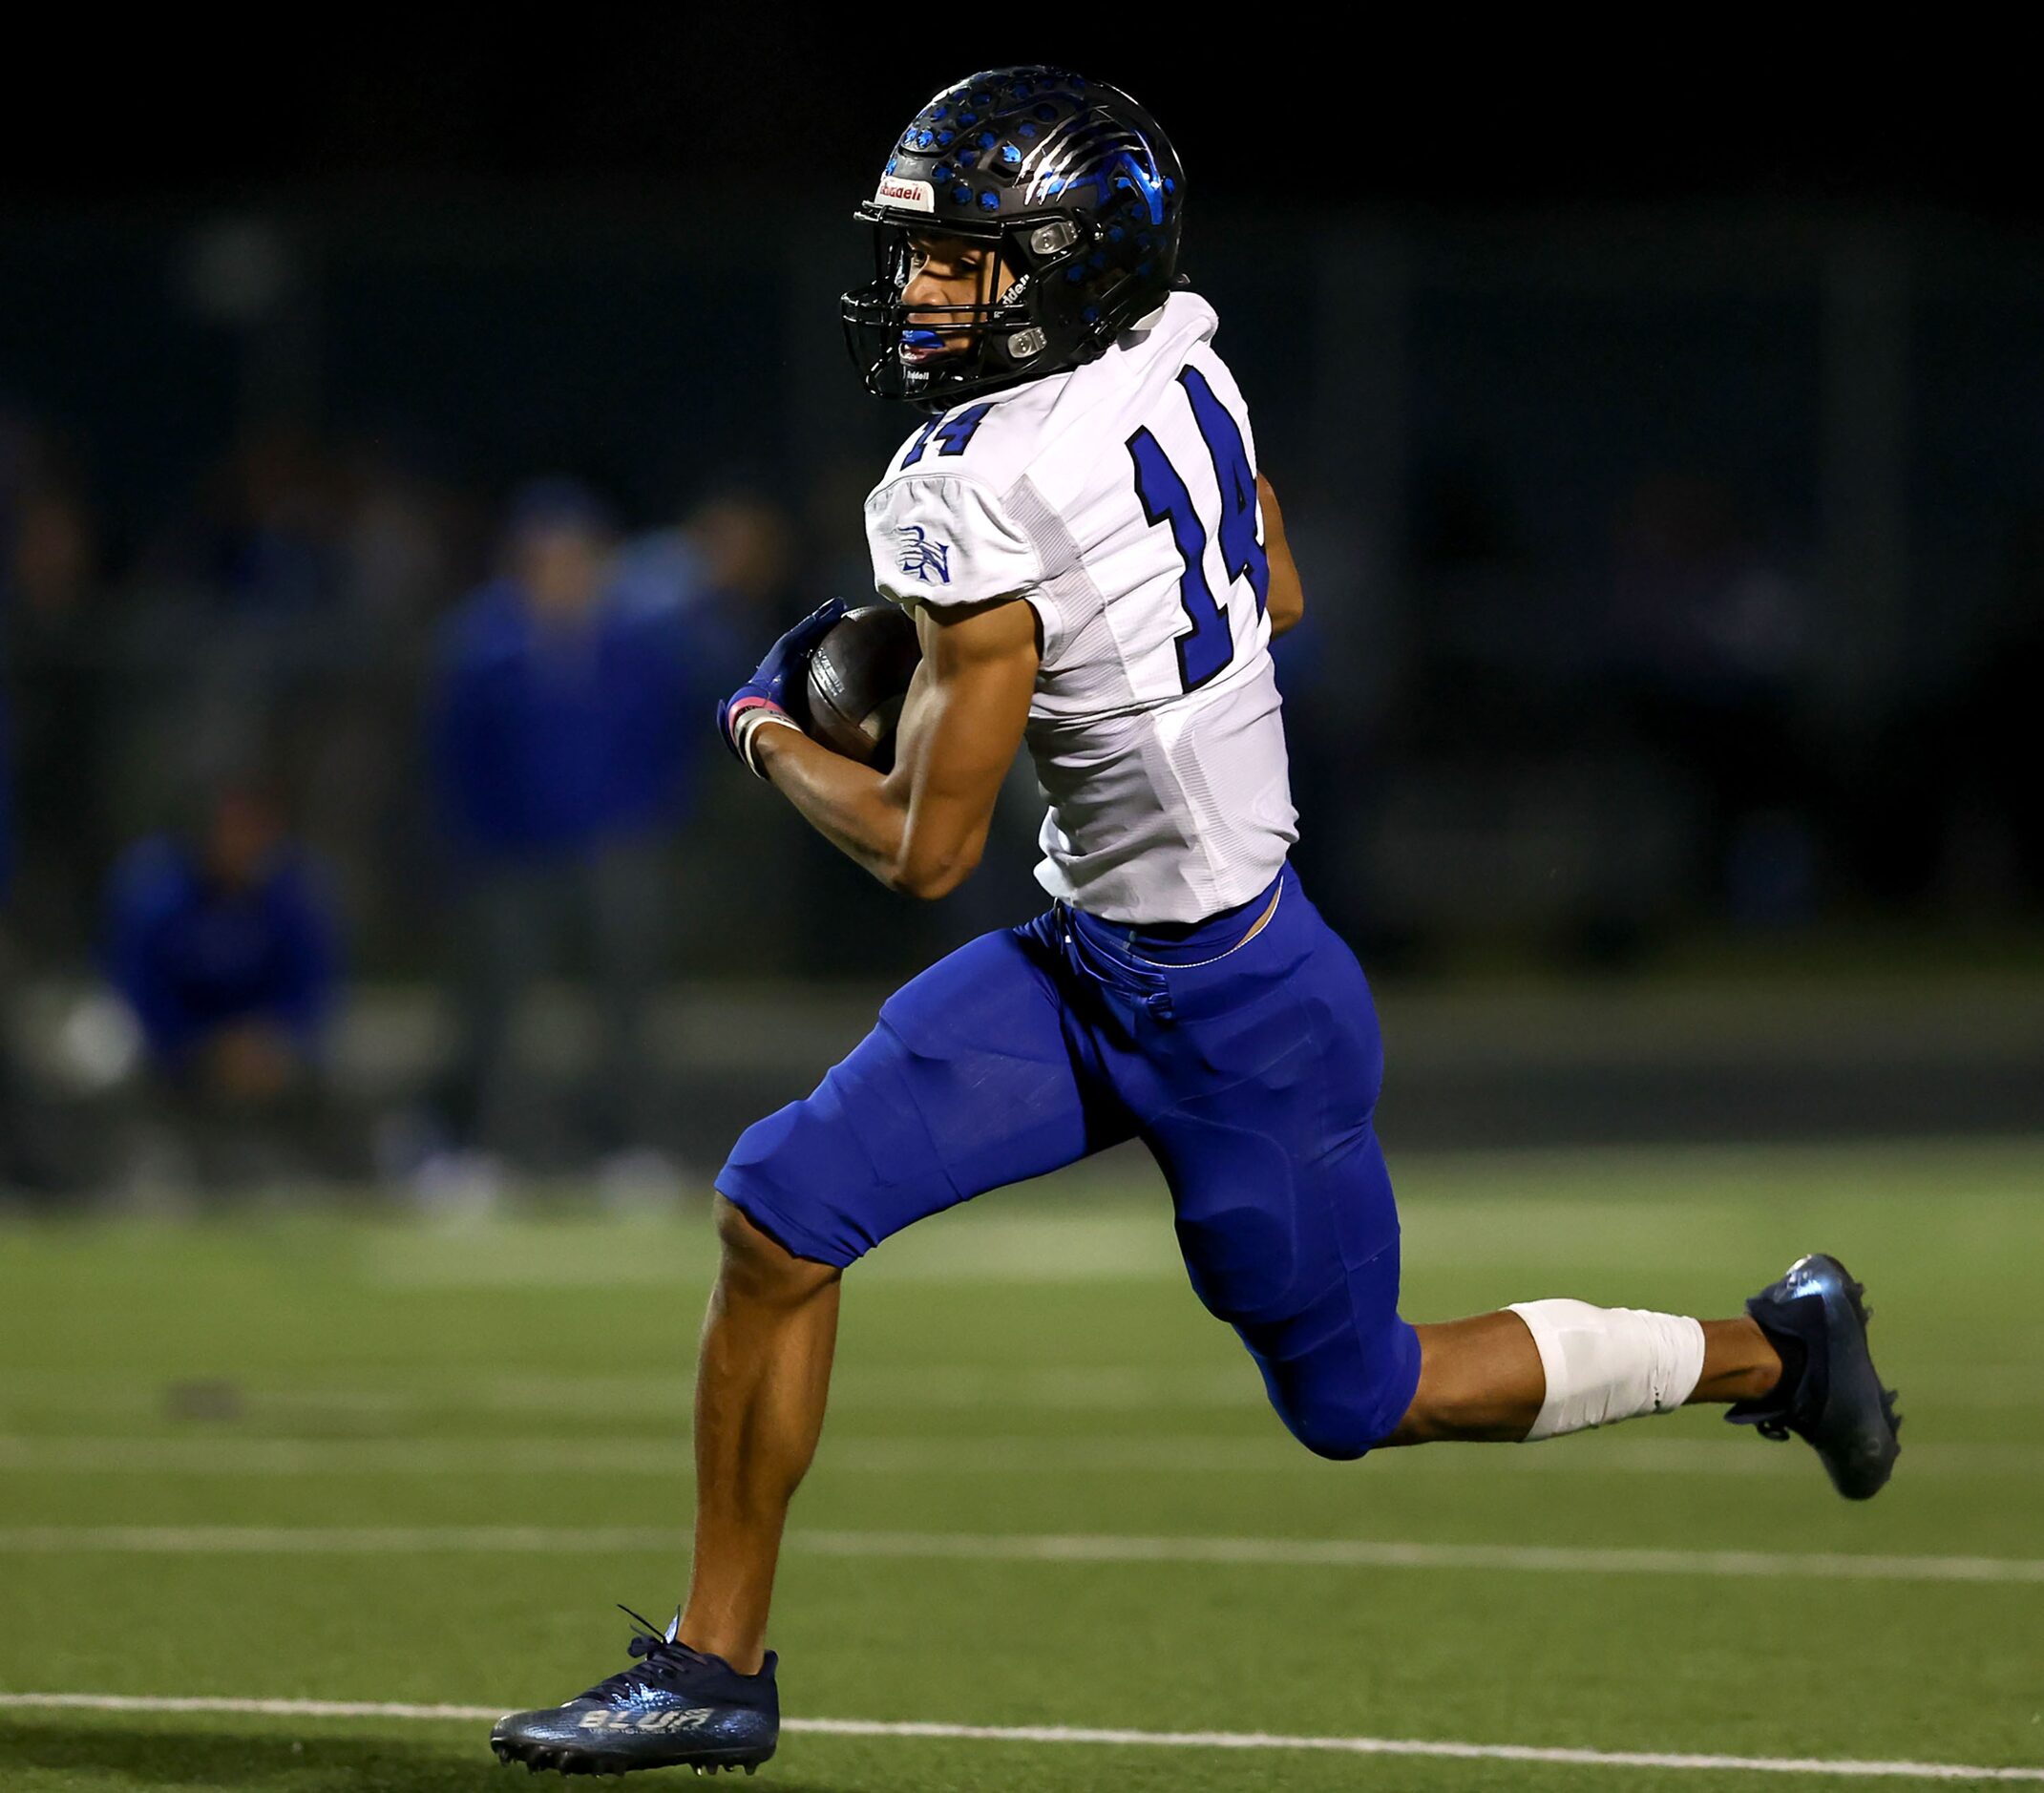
x=921, y=828
x=1286, y=602
x=849, y=805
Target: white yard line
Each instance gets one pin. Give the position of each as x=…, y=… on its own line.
x=216, y=1452
x=1032, y=1548
x=1055, y=1734
x=1364, y=1553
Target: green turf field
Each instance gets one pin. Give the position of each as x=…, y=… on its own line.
x=303, y=1459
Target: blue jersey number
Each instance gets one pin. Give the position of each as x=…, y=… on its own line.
x=955, y=431
x=1241, y=547
x=1209, y=646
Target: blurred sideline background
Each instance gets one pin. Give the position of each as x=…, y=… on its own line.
x=395, y=462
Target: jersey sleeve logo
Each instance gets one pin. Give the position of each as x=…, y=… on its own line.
x=922, y=557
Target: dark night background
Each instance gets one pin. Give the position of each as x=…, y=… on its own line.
x=1357, y=116
x=1659, y=417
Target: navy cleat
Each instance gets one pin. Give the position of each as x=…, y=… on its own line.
x=674, y=1708
x=1829, y=1394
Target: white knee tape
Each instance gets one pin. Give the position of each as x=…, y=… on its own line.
x=1605, y=1364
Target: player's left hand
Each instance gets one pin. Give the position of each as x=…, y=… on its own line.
x=762, y=698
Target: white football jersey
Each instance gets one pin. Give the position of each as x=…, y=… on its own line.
x=1119, y=500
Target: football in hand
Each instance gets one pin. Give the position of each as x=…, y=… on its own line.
x=858, y=677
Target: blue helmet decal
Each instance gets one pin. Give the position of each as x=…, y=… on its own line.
x=1147, y=183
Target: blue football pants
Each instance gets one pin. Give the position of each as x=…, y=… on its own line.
x=1249, y=1067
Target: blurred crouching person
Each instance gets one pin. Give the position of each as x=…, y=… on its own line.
x=559, y=741
x=224, y=948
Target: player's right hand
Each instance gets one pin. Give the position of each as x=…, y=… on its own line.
x=762, y=698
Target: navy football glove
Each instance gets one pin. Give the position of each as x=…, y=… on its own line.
x=762, y=700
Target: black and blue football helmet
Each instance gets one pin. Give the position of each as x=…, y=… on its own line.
x=1081, y=191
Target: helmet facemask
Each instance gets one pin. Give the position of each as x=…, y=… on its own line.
x=901, y=353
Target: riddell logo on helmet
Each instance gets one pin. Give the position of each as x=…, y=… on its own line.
x=915, y=195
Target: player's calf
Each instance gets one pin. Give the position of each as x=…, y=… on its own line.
x=1603, y=1365
x=1798, y=1363
x=1543, y=1369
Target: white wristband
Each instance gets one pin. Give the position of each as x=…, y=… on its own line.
x=749, y=723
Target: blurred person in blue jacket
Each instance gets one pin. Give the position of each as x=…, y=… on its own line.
x=560, y=737
x=224, y=948
x=24, y=1164
x=12, y=1101
x=722, y=571
x=6, y=795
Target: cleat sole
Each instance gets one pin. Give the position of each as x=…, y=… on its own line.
x=1862, y=1310
x=540, y=1759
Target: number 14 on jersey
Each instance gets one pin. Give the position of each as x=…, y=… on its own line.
x=1209, y=645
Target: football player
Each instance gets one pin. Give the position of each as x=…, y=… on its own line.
x=1096, y=568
